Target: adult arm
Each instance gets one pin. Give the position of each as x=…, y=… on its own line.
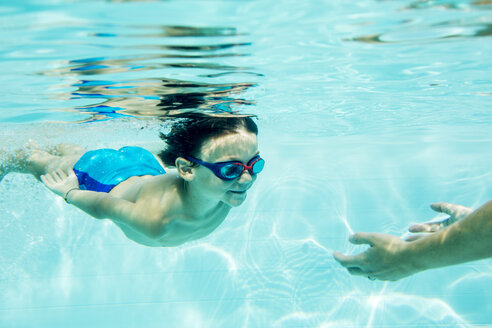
x=391, y=258
x=138, y=216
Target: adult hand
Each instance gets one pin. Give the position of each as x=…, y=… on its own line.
x=386, y=259
x=60, y=182
x=455, y=212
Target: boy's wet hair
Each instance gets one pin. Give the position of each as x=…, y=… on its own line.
x=188, y=135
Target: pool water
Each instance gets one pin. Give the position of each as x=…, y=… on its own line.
x=368, y=111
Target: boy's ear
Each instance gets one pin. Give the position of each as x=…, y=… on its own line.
x=185, y=168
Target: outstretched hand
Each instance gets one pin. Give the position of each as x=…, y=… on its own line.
x=390, y=257
x=384, y=260
x=455, y=212
x=60, y=182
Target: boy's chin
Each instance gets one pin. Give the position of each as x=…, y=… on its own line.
x=235, y=200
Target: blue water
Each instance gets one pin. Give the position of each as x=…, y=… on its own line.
x=368, y=111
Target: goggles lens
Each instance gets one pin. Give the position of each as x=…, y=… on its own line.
x=232, y=170
x=235, y=169
x=258, y=165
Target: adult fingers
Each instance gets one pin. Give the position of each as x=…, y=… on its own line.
x=429, y=226
x=443, y=207
x=360, y=238
x=456, y=212
x=419, y=227
x=356, y=271
x=346, y=260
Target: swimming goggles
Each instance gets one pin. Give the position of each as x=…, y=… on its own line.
x=233, y=169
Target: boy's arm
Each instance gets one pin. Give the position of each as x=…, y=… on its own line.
x=104, y=206
x=390, y=258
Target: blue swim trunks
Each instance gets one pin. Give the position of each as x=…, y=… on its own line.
x=102, y=169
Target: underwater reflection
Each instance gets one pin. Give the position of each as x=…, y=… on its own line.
x=174, y=31
x=134, y=0
x=462, y=31
x=411, y=29
x=420, y=4
x=177, y=51
x=159, y=98
x=97, y=66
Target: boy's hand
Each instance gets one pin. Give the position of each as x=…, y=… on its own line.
x=60, y=182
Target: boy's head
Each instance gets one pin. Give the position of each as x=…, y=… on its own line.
x=187, y=136
x=219, y=156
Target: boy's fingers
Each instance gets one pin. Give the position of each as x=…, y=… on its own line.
x=62, y=173
x=47, y=179
x=55, y=176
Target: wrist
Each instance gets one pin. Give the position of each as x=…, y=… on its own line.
x=67, y=194
x=416, y=259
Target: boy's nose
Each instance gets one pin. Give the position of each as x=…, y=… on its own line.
x=245, y=177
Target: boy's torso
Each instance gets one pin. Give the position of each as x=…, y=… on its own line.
x=162, y=193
